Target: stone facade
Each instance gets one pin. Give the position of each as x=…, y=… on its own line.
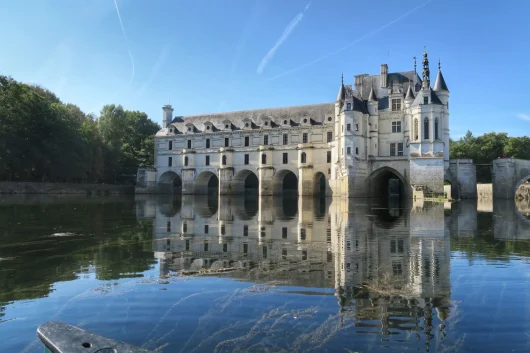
x=390, y=126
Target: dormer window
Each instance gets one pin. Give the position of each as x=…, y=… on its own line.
x=396, y=105
x=285, y=122
x=425, y=100
x=305, y=121
x=348, y=107
x=227, y=124
x=266, y=123
x=247, y=123
x=330, y=119
x=208, y=127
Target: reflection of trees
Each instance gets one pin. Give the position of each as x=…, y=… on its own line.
x=46, y=243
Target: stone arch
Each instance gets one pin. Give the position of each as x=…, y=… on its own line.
x=320, y=184
x=169, y=183
x=206, y=183
x=285, y=182
x=522, y=188
x=245, y=181
x=206, y=206
x=388, y=183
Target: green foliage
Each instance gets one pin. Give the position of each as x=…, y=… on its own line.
x=43, y=139
x=484, y=149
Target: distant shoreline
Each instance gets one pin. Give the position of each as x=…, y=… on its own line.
x=24, y=188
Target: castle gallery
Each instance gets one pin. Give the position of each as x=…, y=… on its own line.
x=386, y=134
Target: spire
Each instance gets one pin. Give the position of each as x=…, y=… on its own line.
x=410, y=93
x=439, y=84
x=426, y=72
x=342, y=91
x=372, y=97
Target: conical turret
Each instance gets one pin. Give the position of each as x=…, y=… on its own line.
x=342, y=91
x=372, y=97
x=439, y=84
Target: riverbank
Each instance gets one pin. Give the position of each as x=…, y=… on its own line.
x=7, y=187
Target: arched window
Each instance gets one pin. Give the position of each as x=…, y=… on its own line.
x=263, y=158
x=224, y=160
x=415, y=129
x=436, y=128
x=185, y=161
x=426, y=128
x=303, y=157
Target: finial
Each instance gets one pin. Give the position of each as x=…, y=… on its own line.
x=342, y=78
x=439, y=64
x=414, y=64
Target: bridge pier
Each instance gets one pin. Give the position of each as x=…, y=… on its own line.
x=463, y=179
x=507, y=175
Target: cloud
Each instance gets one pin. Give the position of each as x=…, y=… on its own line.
x=523, y=116
x=366, y=36
x=126, y=40
x=286, y=32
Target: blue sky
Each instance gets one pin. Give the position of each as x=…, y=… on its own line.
x=225, y=55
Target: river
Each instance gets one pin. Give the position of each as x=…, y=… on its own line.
x=234, y=274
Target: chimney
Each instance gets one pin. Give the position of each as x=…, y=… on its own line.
x=384, y=75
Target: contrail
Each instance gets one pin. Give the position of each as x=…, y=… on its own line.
x=126, y=40
x=287, y=31
x=352, y=43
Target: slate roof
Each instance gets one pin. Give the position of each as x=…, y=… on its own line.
x=440, y=84
x=317, y=113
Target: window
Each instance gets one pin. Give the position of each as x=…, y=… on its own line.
x=304, y=137
x=348, y=151
x=189, y=143
x=303, y=157
x=396, y=268
x=207, y=160
x=186, y=159
x=302, y=233
x=264, y=252
x=284, y=233
x=245, y=248
x=348, y=106
x=266, y=140
x=247, y=158
x=415, y=129
x=356, y=150
x=263, y=158
x=266, y=123
x=285, y=139
x=206, y=245
x=247, y=141
x=348, y=127
x=356, y=127
x=285, y=122
x=223, y=231
x=168, y=226
x=328, y=156
x=227, y=142
x=426, y=128
x=400, y=149
x=436, y=128
x=206, y=229
x=207, y=143
x=187, y=245
x=330, y=136
x=285, y=158
x=225, y=247
x=284, y=254
x=396, y=126
x=245, y=230
x=396, y=105
x=262, y=233
x=227, y=126
x=223, y=160
x=170, y=161
x=425, y=100
x=392, y=149
x=184, y=227
x=170, y=147
x=329, y=170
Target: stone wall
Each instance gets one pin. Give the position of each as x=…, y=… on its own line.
x=463, y=179
x=7, y=187
x=428, y=172
x=508, y=174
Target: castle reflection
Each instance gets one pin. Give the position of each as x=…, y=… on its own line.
x=388, y=267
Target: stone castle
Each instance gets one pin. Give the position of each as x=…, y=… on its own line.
x=386, y=133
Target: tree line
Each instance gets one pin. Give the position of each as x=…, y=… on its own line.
x=484, y=149
x=43, y=139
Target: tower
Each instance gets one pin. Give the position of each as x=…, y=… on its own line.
x=167, y=115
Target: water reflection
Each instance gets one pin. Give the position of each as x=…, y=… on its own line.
x=385, y=281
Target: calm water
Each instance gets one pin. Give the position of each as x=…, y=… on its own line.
x=326, y=275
